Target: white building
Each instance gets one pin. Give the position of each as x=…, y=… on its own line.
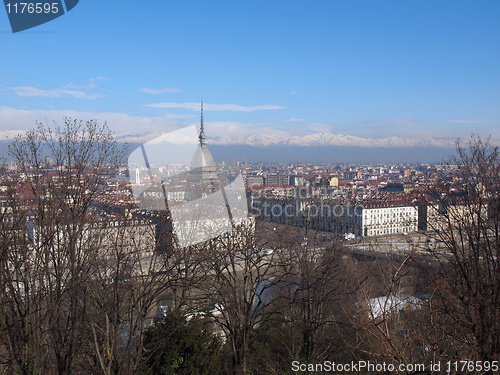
x=365, y=219
x=379, y=219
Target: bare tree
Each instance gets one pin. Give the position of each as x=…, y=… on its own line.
x=23, y=345
x=127, y=280
x=466, y=225
x=51, y=259
x=239, y=273
x=316, y=296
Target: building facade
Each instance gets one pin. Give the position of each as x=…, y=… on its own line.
x=383, y=219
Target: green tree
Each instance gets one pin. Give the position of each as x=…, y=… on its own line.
x=178, y=346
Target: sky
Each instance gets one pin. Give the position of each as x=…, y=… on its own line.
x=303, y=73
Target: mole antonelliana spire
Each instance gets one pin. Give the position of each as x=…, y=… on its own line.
x=203, y=141
x=202, y=159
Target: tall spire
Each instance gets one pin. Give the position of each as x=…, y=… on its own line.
x=202, y=130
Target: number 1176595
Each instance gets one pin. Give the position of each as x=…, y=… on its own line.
x=31, y=8
x=471, y=366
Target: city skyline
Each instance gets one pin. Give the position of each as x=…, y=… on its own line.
x=283, y=74
x=309, y=211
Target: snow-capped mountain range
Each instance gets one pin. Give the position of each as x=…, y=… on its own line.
x=309, y=140
x=330, y=139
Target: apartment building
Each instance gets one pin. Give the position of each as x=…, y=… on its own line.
x=379, y=218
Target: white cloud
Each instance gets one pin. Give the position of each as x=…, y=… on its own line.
x=214, y=107
x=239, y=132
x=234, y=133
x=71, y=89
x=15, y=120
x=11, y=134
x=329, y=139
x=89, y=86
x=176, y=116
x=261, y=138
x=414, y=127
x=396, y=126
x=467, y=121
x=142, y=128
x=317, y=134
x=159, y=91
x=33, y=91
x=293, y=92
x=80, y=94
x=320, y=128
x=295, y=119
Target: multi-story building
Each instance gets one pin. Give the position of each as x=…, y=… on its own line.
x=380, y=218
x=276, y=179
x=254, y=180
x=368, y=218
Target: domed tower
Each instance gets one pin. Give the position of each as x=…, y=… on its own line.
x=202, y=162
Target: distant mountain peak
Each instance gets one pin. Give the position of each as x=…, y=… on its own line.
x=264, y=140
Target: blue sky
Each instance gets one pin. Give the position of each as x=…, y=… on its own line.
x=362, y=72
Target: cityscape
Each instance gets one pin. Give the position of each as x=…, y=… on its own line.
x=232, y=246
